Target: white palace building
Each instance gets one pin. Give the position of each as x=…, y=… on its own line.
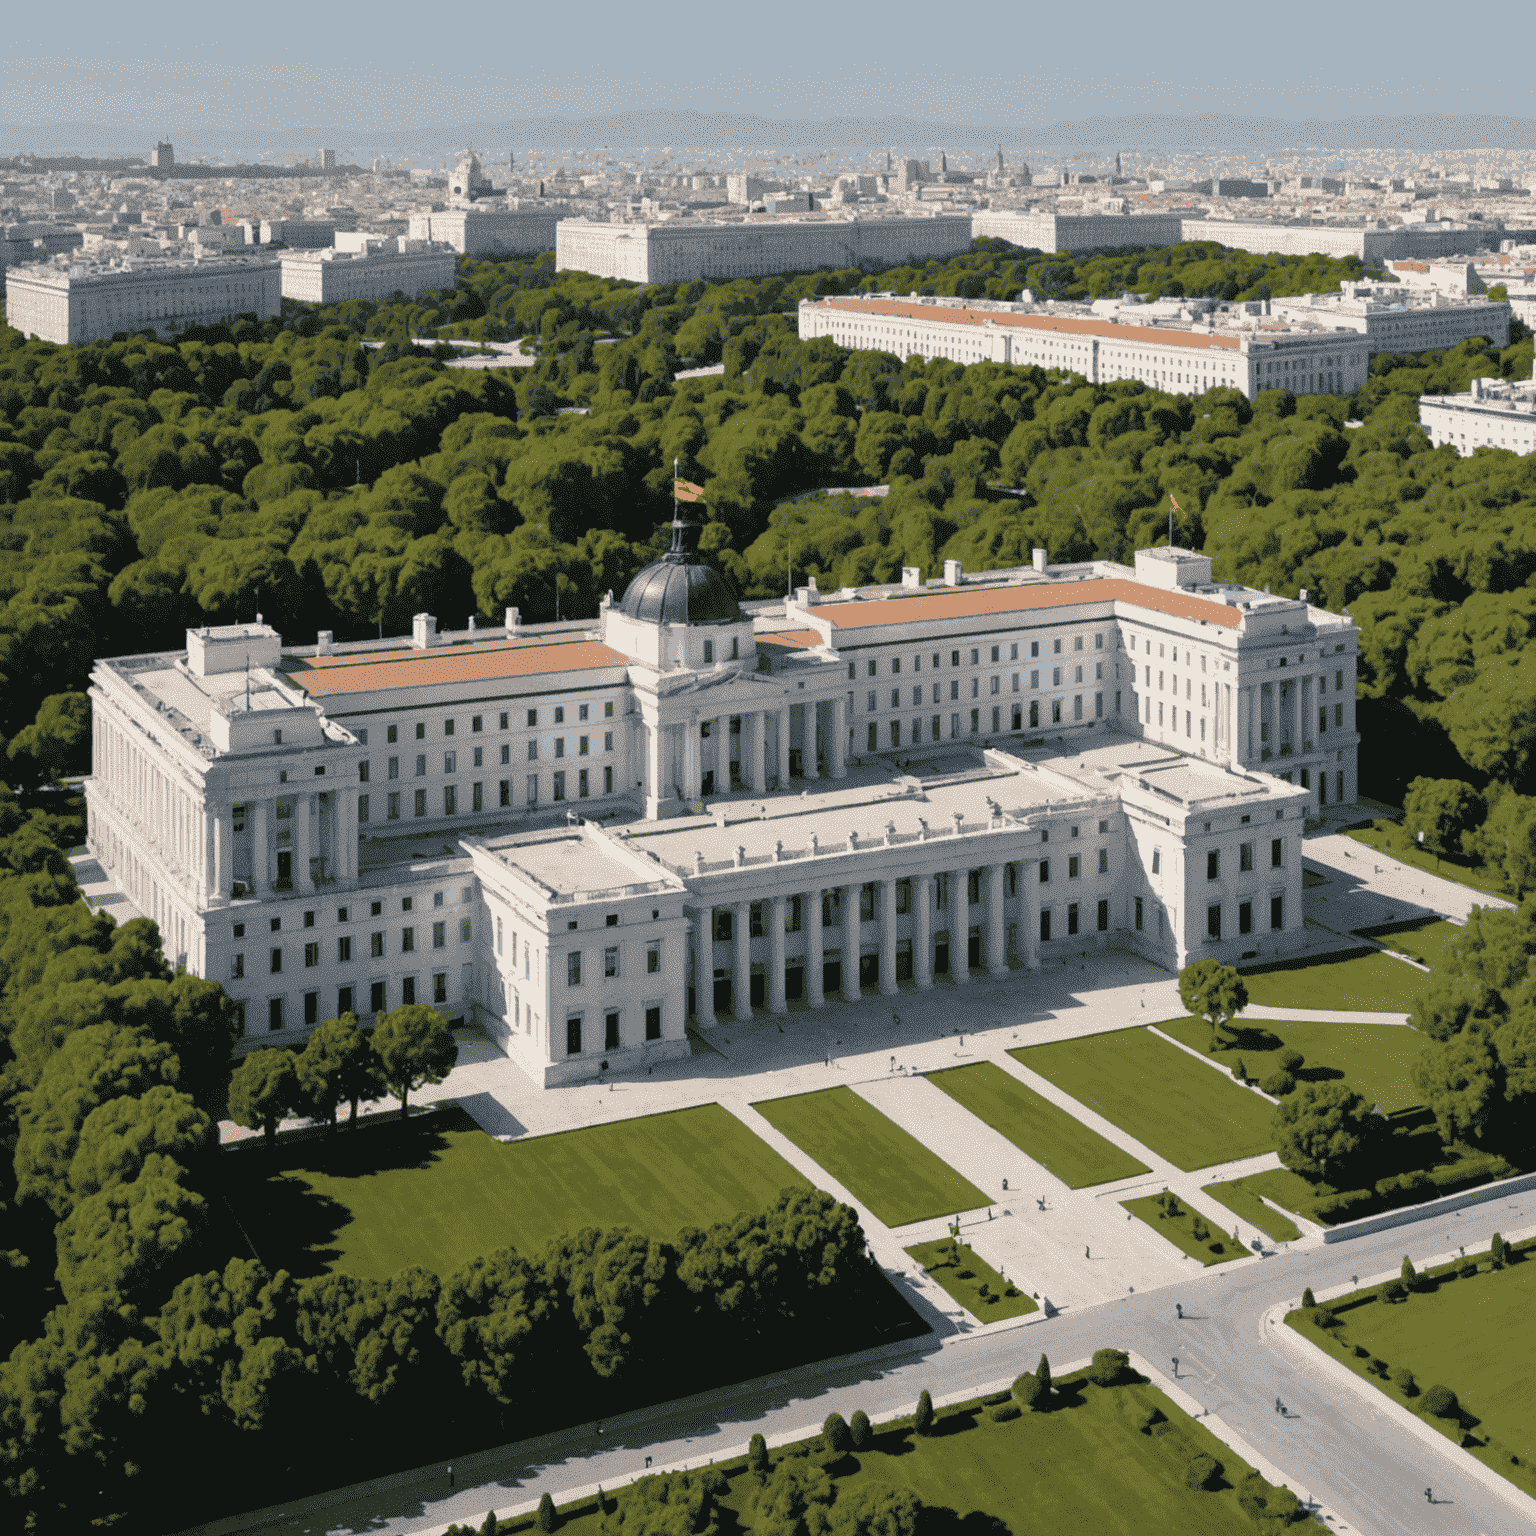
x=584, y=836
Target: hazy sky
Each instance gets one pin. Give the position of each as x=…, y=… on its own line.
x=276, y=63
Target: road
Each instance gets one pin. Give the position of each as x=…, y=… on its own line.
x=1333, y=1445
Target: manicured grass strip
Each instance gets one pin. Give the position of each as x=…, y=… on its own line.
x=1365, y=981
x=1472, y=1335
x=1062, y=1145
x=1178, y=1226
x=374, y=1202
x=884, y=1168
x=963, y=1281
x=1428, y=940
x=1373, y=1058
x=1286, y=1188
x=1087, y=1465
x=1241, y=1201
x=1389, y=838
x=1152, y=1090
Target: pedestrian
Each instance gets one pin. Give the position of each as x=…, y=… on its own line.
x=896, y=1020
x=1005, y=1186
x=893, y=1064
x=1277, y=1405
x=1086, y=1253
x=1175, y=1366
x=1429, y=1496
x=450, y=1474
x=989, y=1213
x=1178, y=1307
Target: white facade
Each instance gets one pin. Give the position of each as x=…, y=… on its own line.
x=374, y=272
x=1077, y=231
x=694, y=248
x=518, y=228
x=81, y=303
x=1493, y=414
x=873, y=789
x=1392, y=320
x=1179, y=357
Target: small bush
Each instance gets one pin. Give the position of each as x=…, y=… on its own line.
x=1360, y=1352
x=984, y=1290
x=922, y=1420
x=1147, y=1414
x=1201, y=1471
x=1496, y=1251
x=1441, y=1402
x=1466, y=1267
x=861, y=1431
x=1377, y=1367
x=1239, y=1071
x=836, y=1436
x=1110, y=1367
x=1404, y=1378
x=1003, y=1412
x=1323, y=1318
x=1308, y=1300
x=1277, y=1084
x=1394, y=1291
x=546, y=1519
x=1290, y=1060
x=996, y=1398
x=1030, y=1392
x=757, y=1456
x=1200, y=1229
x=965, y=1274
x=1409, y=1275
x=1217, y=1248
x=1162, y=1427
x=1012, y=1289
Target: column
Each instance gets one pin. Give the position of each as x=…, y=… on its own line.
x=837, y=758
x=692, y=757
x=851, y=992
x=997, y=929
x=813, y=948
x=1029, y=873
x=888, y=987
x=653, y=763
x=704, y=966
x=922, y=931
x=809, y=744
x=346, y=835
x=741, y=961
x=783, y=735
x=303, y=842
x=260, y=865
x=221, y=851
x=959, y=926
x=721, y=731
x=775, y=912
x=754, y=734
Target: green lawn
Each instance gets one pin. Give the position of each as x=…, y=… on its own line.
x=1286, y=1188
x=1182, y=1109
x=963, y=1281
x=1368, y=982
x=1427, y=940
x=1178, y=1227
x=1240, y=1199
x=1372, y=1058
x=1060, y=1144
x=372, y=1202
x=1388, y=837
x=884, y=1168
x=1085, y=1466
x=1473, y=1335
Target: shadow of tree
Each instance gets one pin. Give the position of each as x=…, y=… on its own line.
x=939, y=1520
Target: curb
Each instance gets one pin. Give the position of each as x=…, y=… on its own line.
x=1443, y=1205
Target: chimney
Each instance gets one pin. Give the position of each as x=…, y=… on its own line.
x=1037, y=556
x=911, y=576
x=952, y=577
x=423, y=631
x=1303, y=594
x=471, y=623
x=323, y=643
x=512, y=621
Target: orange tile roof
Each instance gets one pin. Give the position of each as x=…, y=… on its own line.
x=795, y=639
x=931, y=608
x=1150, y=334
x=327, y=676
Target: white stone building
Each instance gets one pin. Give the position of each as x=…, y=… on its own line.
x=78, y=303
x=502, y=227
x=1395, y=319
x=580, y=835
x=684, y=249
x=1043, y=231
x=1175, y=347
x=1492, y=414
x=300, y=234
x=381, y=268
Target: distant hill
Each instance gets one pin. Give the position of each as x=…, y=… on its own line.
x=1209, y=130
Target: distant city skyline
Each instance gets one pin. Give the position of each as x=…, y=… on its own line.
x=396, y=72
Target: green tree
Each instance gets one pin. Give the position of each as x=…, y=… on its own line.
x=1214, y=992
x=757, y=1457
x=1308, y=1300
x=546, y=1519
x=835, y=1435
x=1462, y=1083
x=491, y=1315
x=1030, y=1392
x=57, y=741
x=922, y=1420
x=413, y=1045
x=264, y=1088
x=124, y=1138
x=1409, y=1275
x=1110, y=1367
x=337, y=1063
x=1043, y=1373
x=617, y=1284
x=1443, y=811
x=122, y=1238
x=1322, y=1130
x=860, y=1431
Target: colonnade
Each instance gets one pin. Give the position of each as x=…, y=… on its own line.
x=779, y=949
x=305, y=840
x=766, y=737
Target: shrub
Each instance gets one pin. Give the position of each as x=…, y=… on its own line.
x=965, y=1274
x=1200, y=1230
x=1409, y=1275
x=1201, y=1471
x=1043, y=1372
x=1441, y=1402
x=984, y=1291
x=757, y=1457
x=490, y=1525
x=1003, y=1412
x=1239, y=1071
x=1110, y=1367
x=1404, y=1378
x=1278, y=1084
x=1290, y=1060
x=546, y=1519
x=1217, y=1248
x=922, y=1420
x=835, y=1435
x=1496, y=1251
x=1377, y=1367
x=1323, y=1318
x=1146, y=1415
x=1394, y=1291
x=860, y=1431
x=1308, y=1300
x=1030, y=1392
x=1466, y=1266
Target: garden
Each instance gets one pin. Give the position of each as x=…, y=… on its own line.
x=1352, y=981
x=983, y=1291
x=1185, y=1228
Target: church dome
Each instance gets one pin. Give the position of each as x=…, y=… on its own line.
x=678, y=590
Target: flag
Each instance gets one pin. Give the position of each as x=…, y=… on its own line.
x=686, y=490
x=1174, y=500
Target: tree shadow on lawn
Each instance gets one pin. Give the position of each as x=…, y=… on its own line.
x=940, y=1520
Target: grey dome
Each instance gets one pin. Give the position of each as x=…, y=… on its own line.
x=676, y=590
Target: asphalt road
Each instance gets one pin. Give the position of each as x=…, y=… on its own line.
x=1332, y=1446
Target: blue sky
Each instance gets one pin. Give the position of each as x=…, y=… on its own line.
x=278, y=63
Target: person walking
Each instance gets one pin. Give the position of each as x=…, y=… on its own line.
x=1277, y=1405
x=1175, y=1367
x=1178, y=1307
x=450, y=1474
x=896, y=1020
x=1086, y=1253
x=1429, y=1496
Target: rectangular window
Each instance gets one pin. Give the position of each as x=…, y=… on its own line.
x=581, y=746
x=1103, y=861
x=506, y=754
x=362, y=808
x=1213, y=864
x=407, y=941
x=573, y=1037
x=421, y=765
x=1245, y=858
x=1277, y=912
x=1157, y=861
x=311, y=955
x=344, y=949
x=1072, y=867
x=362, y=772
x=1045, y=871
x=440, y=979
x=975, y=722
x=343, y=1001
x=560, y=785
x=559, y=746
x=439, y=935
x=376, y=945
x=504, y=792
x=653, y=1023
x=394, y=768
x=653, y=957
x=1277, y=853
x=611, y=960
x=237, y=967
x=1245, y=917
x=393, y=733
x=277, y=961
x=611, y=1032
x=311, y=1008
x=573, y=968
x=1138, y=914
x=421, y=802
x=1213, y=920
x=275, y=1014
x=477, y=795
x=1071, y=918
x=450, y=800
x=581, y=784
x=1045, y=926
x=533, y=790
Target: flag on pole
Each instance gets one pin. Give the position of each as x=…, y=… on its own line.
x=1174, y=500
x=686, y=490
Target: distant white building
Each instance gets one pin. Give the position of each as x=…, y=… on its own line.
x=378, y=269
x=502, y=227
x=74, y=304
x=1394, y=319
x=1492, y=414
x=695, y=248
x=300, y=234
x=1077, y=231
